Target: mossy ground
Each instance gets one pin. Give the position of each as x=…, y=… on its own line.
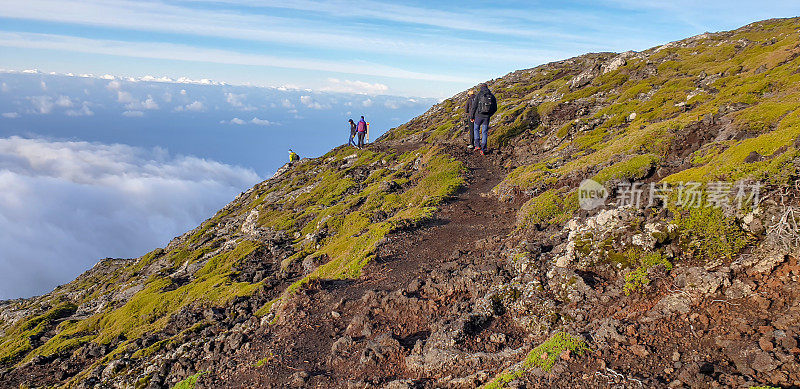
x=543, y=357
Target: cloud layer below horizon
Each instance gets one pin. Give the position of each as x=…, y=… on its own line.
x=67, y=204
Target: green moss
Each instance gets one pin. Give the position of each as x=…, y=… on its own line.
x=17, y=341
x=554, y=206
x=590, y=139
x=527, y=176
x=523, y=116
x=632, y=169
x=729, y=165
x=543, y=356
x=149, y=310
x=189, y=382
x=443, y=131
x=265, y=360
x=264, y=310
x=765, y=115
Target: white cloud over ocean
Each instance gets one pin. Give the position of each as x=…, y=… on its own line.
x=66, y=204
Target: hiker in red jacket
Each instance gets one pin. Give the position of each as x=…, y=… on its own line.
x=482, y=109
x=362, y=131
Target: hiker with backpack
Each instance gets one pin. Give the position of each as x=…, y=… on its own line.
x=482, y=109
x=293, y=157
x=467, y=119
x=352, y=132
x=362, y=131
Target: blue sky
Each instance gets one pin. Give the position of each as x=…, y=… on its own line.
x=410, y=48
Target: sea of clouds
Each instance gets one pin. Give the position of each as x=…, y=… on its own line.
x=66, y=204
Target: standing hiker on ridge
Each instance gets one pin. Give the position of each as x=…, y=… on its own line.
x=483, y=107
x=352, y=132
x=467, y=119
x=362, y=131
x=293, y=157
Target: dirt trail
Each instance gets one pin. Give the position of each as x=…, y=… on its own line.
x=471, y=216
x=299, y=348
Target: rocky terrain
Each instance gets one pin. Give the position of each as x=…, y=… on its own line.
x=415, y=263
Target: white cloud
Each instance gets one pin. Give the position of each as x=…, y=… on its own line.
x=10, y=115
x=67, y=204
x=149, y=78
x=195, y=106
x=162, y=17
x=237, y=121
x=133, y=114
x=64, y=101
x=310, y=102
x=43, y=85
x=358, y=87
x=170, y=51
x=84, y=110
x=148, y=104
x=237, y=101
x=4, y=87
x=124, y=97
x=234, y=99
x=183, y=92
x=114, y=85
x=286, y=103
x=367, y=103
x=261, y=122
x=42, y=104
x=255, y=120
x=167, y=97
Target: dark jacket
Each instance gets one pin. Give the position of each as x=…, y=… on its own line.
x=352, y=128
x=474, y=107
x=468, y=106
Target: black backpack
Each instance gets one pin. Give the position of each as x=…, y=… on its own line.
x=486, y=103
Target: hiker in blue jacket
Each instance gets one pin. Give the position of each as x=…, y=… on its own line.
x=482, y=109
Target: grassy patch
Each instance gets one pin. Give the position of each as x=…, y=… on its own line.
x=551, y=207
x=631, y=169
x=543, y=356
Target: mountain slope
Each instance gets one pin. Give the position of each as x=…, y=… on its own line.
x=413, y=264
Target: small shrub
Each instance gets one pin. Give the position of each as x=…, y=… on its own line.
x=708, y=233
